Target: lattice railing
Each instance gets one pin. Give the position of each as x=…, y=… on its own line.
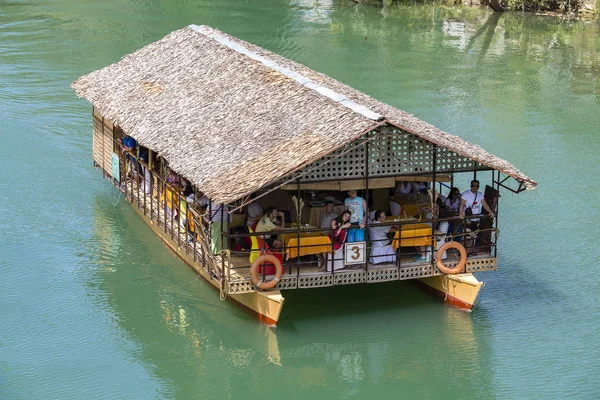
x=382, y=275
x=419, y=271
x=288, y=282
x=241, y=286
x=353, y=277
x=482, y=264
x=313, y=281
x=246, y=285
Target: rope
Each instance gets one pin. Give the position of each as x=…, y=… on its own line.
x=193, y=280
x=223, y=291
x=109, y=191
x=445, y=287
x=224, y=286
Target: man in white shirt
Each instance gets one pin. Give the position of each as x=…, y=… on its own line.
x=473, y=199
x=328, y=215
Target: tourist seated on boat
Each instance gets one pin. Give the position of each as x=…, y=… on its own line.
x=155, y=163
x=190, y=221
x=395, y=207
x=403, y=188
x=358, y=216
x=453, y=200
x=171, y=198
x=254, y=211
x=187, y=188
x=337, y=235
x=146, y=183
x=201, y=201
x=128, y=144
x=452, y=203
x=373, y=216
x=172, y=189
x=172, y=178
x=190, y=225
x=219, y=222
x=328, y=215
x=381, y=248
x=421, y=187
x=273, y=220
x=143, y=154
x=440, y=229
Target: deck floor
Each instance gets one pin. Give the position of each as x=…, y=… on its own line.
x=241, y=268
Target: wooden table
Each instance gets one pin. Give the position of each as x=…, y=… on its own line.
x=411, y=205
x=310, y=243
x=413, y=235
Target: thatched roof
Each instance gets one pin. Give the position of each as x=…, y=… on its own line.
x=232, y=117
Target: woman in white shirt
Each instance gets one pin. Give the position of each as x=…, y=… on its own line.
x=404, y=187
x=381, y=249
x=420, y=187
x=453, y=200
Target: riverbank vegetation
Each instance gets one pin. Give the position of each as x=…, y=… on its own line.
x=544, y=43
x=587, y=9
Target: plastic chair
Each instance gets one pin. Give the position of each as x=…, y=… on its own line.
x=335, y=260
x=395, y=208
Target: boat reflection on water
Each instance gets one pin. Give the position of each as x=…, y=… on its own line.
x=147, y=285
x=383, y=333
x=256, y=338
x=333, y=337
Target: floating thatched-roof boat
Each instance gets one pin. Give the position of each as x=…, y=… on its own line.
x=244, y=125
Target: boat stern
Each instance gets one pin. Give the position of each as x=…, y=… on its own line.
x=459, y=290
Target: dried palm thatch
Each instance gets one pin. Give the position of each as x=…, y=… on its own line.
x=232, y=117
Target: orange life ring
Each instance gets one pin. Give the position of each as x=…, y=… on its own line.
x=458, y=267
x=254, y=272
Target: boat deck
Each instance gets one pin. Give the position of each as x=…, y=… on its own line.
x=307, y=274
x=309, y=266
x=303, y=273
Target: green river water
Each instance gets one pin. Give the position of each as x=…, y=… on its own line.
x=94, y=306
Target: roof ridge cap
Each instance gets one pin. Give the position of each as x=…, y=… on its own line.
x=301, y=79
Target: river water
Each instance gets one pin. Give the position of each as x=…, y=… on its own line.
x=94, y=306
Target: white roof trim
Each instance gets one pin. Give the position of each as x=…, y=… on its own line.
x=304, y=81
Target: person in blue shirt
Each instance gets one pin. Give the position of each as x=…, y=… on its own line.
x=128, y=145
x=358, y=216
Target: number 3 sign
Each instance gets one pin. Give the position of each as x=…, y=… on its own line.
x=355, y=253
